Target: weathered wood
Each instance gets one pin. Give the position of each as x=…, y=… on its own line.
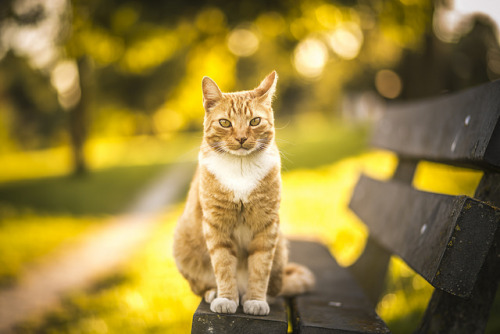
x=373, y=260
x=450, y=314
x=205, y=321
x=488, y=189
x=337, y=305
x=443, y=238
x=462, y=128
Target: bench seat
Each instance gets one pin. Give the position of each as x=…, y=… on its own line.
x=337, y=305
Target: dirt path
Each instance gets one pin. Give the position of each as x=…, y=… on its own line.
x=42, y=287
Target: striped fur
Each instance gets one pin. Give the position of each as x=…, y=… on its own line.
x=227, y=242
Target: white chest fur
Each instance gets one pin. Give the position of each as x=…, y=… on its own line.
x=240, y=174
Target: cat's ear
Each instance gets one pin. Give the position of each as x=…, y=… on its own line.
x=211, y=93
x=267, y=88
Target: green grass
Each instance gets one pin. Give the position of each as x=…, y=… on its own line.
x=106, y=191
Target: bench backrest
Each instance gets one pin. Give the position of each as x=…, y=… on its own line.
x=446, y=239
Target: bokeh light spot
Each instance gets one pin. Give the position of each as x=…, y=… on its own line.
x=310, y=57
x=65, y=79
x=346, y=40
x=328, y=16
x=243, y=42
x=388, y=84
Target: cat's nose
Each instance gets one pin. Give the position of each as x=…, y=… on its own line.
x=241, y=140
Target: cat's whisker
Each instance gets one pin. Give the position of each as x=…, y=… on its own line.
x=280, y=140
x=284, y=156
x=284, y=126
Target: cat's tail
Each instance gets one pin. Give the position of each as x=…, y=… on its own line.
x=297, y=279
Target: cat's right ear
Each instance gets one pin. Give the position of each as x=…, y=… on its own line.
x=211, y=93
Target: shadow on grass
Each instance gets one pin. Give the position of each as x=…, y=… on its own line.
x=100, y=192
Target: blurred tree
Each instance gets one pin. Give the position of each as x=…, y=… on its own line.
x=133, y=68
x=444, y=67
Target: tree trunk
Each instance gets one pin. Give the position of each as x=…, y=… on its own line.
x=78, y=119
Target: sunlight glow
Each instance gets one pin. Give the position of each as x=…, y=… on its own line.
x=32, y=40
x=242, y=42
x=328, y=15
x=310, y=57
x=346, y=40
x=65, y=79
x=452, y=23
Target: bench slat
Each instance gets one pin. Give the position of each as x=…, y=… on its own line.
x=337, y=305
x=444, y=238
x=205, y=321
x=462, y=129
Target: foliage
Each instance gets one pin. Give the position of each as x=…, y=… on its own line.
x=148, y=58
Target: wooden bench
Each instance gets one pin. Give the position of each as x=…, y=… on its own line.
x=451, y=241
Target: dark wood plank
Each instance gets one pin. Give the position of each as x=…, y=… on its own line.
x=462, y=128
x=443, y=238
x=488, y=189
x=373, y=260
x=205, y=321
x=448, y=314
x=405, y=170
x=337, y=305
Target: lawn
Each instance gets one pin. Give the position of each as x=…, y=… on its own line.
x=43, y=208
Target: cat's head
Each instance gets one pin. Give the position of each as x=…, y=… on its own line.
x=239, y=123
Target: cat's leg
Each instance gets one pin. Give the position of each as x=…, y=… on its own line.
x=277, y=271
x=260, y=261
x=223, y=258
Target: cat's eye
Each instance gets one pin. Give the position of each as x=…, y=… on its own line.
x=224, y=123
x=255, y=121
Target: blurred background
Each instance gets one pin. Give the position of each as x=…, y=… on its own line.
x=99, y=100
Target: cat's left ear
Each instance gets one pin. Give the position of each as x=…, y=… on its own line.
x=211, y=93
x=265, y=92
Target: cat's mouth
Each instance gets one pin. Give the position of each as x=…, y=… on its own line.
x=241, y=151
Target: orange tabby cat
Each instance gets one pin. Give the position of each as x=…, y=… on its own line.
x=228, y=241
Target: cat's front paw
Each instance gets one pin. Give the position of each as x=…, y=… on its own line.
x=223, y=305
x=256, y=307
